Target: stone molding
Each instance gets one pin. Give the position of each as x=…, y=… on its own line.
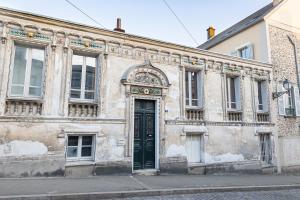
x=214, y=123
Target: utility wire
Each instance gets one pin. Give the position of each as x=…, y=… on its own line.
x=182, y=24
x=72, y=4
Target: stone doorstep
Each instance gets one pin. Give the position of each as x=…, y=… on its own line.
x=147, y=193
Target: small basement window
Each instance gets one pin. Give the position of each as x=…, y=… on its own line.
x=80, y=147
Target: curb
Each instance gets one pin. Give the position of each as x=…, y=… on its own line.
x=143, y=193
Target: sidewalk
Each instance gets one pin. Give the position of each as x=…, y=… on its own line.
x=132, y=185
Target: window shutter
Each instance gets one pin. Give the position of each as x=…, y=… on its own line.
x=297, y=100
x=281, y=105
x=265, y=96
x=256, y=95
x=234, y=53
x=237, y=93
x=250, y=51
x=200, y=89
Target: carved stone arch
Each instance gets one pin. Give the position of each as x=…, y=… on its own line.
x=145, y=75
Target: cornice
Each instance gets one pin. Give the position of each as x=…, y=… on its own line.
x=127, y=38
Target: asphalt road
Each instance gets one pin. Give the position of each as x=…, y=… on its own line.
x=261, y=195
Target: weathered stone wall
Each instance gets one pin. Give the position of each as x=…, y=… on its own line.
x=283, y=60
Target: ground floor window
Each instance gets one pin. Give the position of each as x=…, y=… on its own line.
x=266, y=148
x=194, y=148
x=80, y=147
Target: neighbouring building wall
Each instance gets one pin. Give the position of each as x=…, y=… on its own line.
x=287, y=15
x=284, y=62
x=255, y=36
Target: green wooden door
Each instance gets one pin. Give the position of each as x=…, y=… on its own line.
x=144, y=135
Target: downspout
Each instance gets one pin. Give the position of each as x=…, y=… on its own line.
x=296, y=61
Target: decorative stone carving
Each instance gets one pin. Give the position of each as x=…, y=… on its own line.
x=145, y=74
x=82, y=110
x=16, y=107
x=146, y=91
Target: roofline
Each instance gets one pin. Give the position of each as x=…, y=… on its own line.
x=124, y=36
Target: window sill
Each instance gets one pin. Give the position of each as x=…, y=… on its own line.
x=234, y=111
x=38, y=99
x=290, y=116
x=193, y=108
x=70, y=163
x=78, y=101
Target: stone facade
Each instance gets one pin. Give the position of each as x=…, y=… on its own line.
x=34, y=132
x=284, y=61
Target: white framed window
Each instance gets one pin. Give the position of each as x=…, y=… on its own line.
x=265, y=148
x=27, y=72
x=233, y=93
x=83, y=81
x=261, y=95
x=246, y=52
x=80, y=147
x=193, y=88
x=289, y=103
x=194, y=148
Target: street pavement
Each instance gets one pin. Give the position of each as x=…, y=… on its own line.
x=128, y=186
x=261, y=195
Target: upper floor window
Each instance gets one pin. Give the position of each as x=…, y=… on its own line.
x=261, y=95
x=233, y=93
x=289, y=103
x=245, y=51
x=193, y=88
x=83, y=81
x=27, y=76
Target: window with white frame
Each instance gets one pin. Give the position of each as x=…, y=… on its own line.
x=27, y=74
x=233, y=93
x=194, y=147
x=193, y=88
x=83, y=83
x=265, y=148
x=80, y=147
x=261, y=95
x=245, y=52
x=289, y=103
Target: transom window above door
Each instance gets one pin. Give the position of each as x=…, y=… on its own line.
x=193, y=88
x=27, y=74
x=83, y=83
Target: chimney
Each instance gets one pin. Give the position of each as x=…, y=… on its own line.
x=276, y=2
x=118, y=28
x=211, y=32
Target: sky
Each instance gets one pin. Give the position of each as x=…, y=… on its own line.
x=149, y=18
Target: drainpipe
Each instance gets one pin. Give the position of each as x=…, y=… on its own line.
x=296, y=61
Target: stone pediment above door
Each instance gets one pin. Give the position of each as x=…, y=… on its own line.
x=145, y=75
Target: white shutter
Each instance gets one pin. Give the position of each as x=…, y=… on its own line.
x=297, y=100
x=250, y=51
x=281, y=105
x=265, y=96
x=234, y=53
x=237, y=93
x=200, y=88
x=256, y=95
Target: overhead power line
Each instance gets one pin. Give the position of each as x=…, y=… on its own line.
x=80, y=10
x=182, y=24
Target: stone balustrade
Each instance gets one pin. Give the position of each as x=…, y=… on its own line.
x=19, y=107
x=263, y=117
x=234, y=116
x=82, y=109
x=194, y=114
